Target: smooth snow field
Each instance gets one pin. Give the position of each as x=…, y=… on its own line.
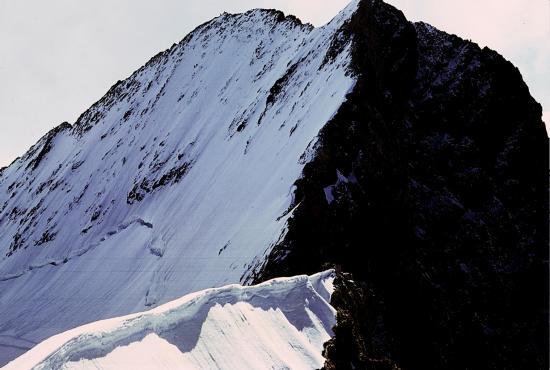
x=280, y=324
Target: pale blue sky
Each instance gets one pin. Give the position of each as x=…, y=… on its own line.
x=59, y=56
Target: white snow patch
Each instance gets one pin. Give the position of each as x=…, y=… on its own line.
x=328, y=194
x=329, y=190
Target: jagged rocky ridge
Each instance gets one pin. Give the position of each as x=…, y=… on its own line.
x=428, y=184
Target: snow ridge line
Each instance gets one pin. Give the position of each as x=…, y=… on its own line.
x=98, y=339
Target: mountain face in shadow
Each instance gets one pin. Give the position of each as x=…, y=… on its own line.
x=430, y=187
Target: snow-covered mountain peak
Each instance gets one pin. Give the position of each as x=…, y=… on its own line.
x=261, y=147
x=180, y=178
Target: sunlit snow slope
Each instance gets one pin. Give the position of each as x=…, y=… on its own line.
x=179, y=179
x=279, y=324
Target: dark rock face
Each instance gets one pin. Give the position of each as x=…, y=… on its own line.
x=430, y=187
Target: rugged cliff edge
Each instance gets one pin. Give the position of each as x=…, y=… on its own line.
x=430, y=187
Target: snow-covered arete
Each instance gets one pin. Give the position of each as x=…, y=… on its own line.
x=280, y=324
x=179, y=179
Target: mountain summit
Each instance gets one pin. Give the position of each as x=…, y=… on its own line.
x=261, y=147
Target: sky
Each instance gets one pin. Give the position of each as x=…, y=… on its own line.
x=58, y=57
